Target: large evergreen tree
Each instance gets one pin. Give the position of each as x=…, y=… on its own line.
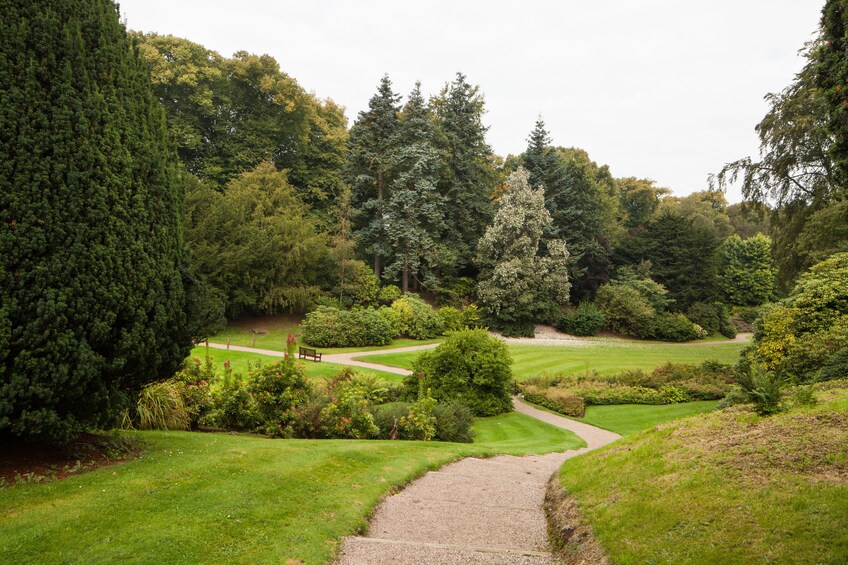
x=682, y=254
x=92, y=299
x=580, y=198
x=369, y=168
x=520, y=286
x=470, y=177
x=414, y=215
x=831, y=79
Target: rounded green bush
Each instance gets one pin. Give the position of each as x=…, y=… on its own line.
x=470, y=367
x=675, y=327
x=585, y=321
x=414, y=318
x=331, y=327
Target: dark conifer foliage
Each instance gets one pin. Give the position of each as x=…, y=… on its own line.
x=469, y=177
x=414, y=215
x=372, y=139
x=92, y=287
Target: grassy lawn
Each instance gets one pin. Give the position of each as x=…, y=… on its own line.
x=725, y=487
x=217, y=498
x=239, y=361
x=607, y=357
x=626, y=419
x=275, y=336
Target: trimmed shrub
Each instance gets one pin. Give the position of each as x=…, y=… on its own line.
x=279, y=390
x=331, y=327
x=675, y=327
x=556, y=399
x=625, y=310
x=193, y=382
x=308, y=423
x=470, y=367
x=586, y=320
x=348, y=415
x=419, y=423
x=233, y=406
x=412, y=317
x=454, y=319
x=454, y=422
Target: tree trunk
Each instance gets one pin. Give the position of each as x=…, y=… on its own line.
x=377, y=259
x=405, y=283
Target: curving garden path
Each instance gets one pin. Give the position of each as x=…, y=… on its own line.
x=472, y=511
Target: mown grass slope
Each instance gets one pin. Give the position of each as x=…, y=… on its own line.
x=606, y=357
x=626, y=419
x=218, y=498
x=724, y=487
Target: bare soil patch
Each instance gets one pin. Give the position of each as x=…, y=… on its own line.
x=571, y=537
x=24, y=462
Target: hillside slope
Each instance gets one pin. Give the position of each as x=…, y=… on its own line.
x=723, y=487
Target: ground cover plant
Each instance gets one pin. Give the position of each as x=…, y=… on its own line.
x=667, y=384
x=724, y=487
x=260, y=500
x=607, y=356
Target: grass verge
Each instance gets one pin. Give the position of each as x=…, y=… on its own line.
x=217, y=498
x=726, y=487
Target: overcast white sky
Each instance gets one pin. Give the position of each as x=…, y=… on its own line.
x=663, y=89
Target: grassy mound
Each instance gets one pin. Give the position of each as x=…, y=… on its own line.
x=724, y=487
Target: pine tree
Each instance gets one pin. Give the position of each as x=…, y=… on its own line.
x=92, y=299
x=519, y=286
x=414, y=217
x=369, y=168
x=470, y=176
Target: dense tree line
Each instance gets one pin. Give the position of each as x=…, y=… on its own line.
x=151, y=185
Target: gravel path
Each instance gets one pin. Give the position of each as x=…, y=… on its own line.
x=471, y=511
x=350, y=358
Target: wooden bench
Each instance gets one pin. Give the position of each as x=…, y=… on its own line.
x=306, y=353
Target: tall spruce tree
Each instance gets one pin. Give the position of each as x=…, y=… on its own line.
x=470, y=176
x=369, y=168
x=580, y=198
x=414, y=215
x=92, y=299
